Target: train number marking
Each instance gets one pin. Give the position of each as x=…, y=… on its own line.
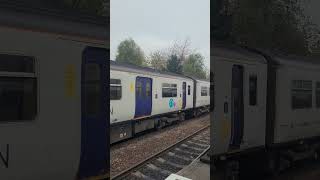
x=4, y=156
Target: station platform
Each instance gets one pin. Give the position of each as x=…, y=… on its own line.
x=199, y=169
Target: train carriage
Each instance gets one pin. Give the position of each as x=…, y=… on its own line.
x=142, y=99
x=266, y=103
x=240, y=100
x=53, y=122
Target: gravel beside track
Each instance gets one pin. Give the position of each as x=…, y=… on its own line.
x=127, y=154
x=172, y=159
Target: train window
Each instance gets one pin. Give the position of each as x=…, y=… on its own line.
x=115, y=89
x=14, y=63
x=92, y=89
x=318, y=94
x=138, y=88
x=169, y=90
x=253, y=90
x=204, y=91
x=18, y=88
x=148, y=89
x=189, y=90
x=301, y=93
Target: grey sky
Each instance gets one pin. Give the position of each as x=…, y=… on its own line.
x=155, y=24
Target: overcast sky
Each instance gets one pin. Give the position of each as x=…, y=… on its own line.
x=156, y=24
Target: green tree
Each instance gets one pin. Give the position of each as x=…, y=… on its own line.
x=130, y=52
x=174, y=64
x=194, y=66
x=158, y=60
x=278, y=25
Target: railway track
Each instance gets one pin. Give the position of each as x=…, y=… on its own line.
x=170, y=160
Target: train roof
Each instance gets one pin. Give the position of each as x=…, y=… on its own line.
x=227, y=50
x=138, y=69
x=26, y=15
x=283, y=59
x=264, y=56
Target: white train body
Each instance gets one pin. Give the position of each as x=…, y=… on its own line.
x=42, y=130
x=133, y=107
x=252, y=122
x=202, y=88
x=301, y=122
x=265, y=103
x=124, y=108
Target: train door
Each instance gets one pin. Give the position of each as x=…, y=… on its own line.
x=184, y=95
x=143, y=96
x=237, y=115
x=94, y=107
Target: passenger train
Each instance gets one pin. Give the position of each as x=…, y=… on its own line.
x=143, y=98
x=266, y=103
x=53, y=95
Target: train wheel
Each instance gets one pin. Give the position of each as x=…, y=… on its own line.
x=182, y=117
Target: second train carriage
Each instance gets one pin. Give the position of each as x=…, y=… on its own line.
x=142, y=98
x=265, y=103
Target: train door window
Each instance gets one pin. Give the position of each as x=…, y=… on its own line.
x=115, y=89
x=253, y=90
x=169, y=90
x=204, y=91
x=139, y=88
x=318, y=94
x=92, y=88
x=148, y=89
x=189, y=90
x=18, y=88
x=301, y=93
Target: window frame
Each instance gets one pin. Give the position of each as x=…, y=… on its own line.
x=317, y=94
x=301, y=89
x=206, y=89
x=253, y=100
x=34, y=75
x=171, y=86
x=116, y=85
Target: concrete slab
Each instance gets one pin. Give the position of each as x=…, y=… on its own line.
x=196, y=171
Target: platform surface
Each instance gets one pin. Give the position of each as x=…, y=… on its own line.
x=196, y=171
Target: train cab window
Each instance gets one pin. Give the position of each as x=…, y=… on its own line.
x=115, y=89
x=18, y=88
x=318, y=94
x=92, y=89
x=204, y=91
x=189, y=90
x=148, y=89
x=169, y=90
x=253, y=90
x=301, y=94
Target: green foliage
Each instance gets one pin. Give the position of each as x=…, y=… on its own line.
x=194, y=66
x=158, y=60
x=130, y=52
x=174, y=64
x=92, y=6
x=278, y=25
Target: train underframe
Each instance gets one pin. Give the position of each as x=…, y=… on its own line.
x=270, y=161
x=128, y=129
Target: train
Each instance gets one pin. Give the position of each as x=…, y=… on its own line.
x=266, y=109
x=142, y=98
x=53, y=95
